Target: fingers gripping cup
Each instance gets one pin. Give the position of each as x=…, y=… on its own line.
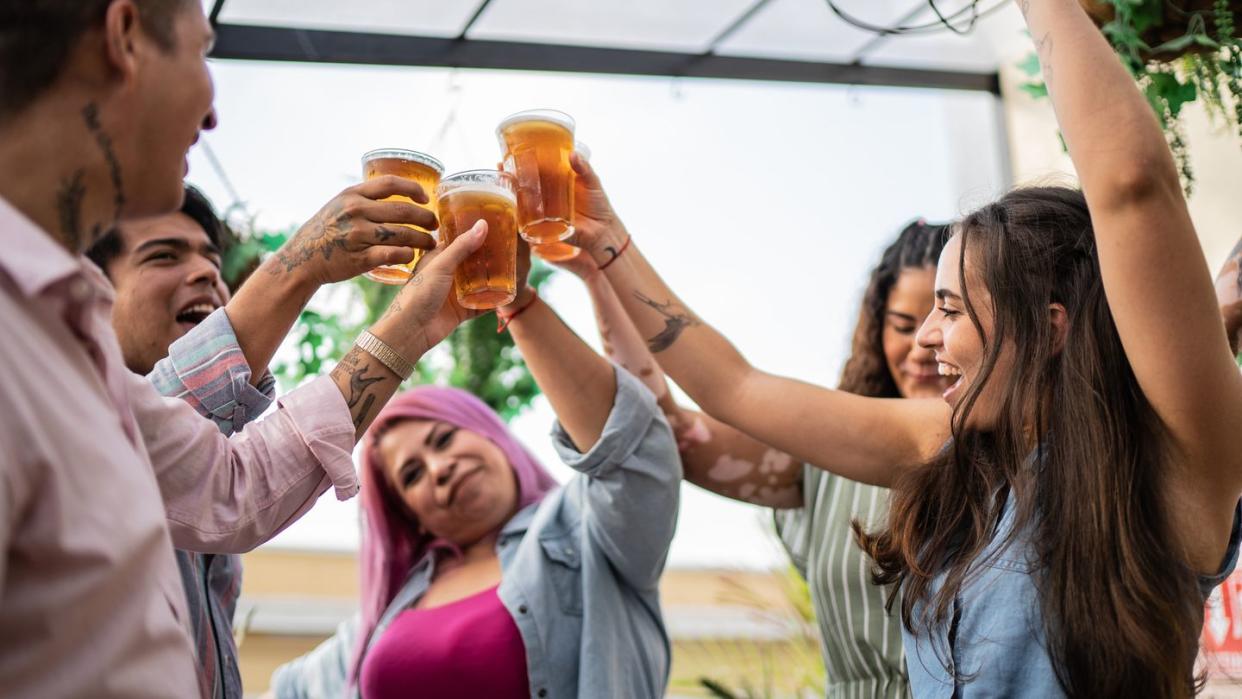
x=412, y=165
x=536, y=146
x=488, y=277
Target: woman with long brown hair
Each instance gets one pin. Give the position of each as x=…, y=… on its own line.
x=860, y=641
x=1058, y=517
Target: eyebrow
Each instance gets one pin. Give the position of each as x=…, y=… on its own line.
x=943, y=294
x=177, y=243
x=902, y=316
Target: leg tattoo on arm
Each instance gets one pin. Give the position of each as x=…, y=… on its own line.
x=676, y=320
x=360, y=399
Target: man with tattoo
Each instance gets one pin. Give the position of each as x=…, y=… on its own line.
x=99, y=102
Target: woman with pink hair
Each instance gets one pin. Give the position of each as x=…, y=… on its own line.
x=481, y=577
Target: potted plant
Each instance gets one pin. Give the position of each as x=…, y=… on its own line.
x=1179, y=51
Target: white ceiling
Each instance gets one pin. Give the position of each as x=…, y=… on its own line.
x=805, y=30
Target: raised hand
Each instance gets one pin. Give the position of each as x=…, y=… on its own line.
x=357, y=231
x=597, y=228
x=425, y=311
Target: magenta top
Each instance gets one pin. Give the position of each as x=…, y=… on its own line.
x=467, y=648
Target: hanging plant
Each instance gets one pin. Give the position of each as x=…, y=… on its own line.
x=1179, y=51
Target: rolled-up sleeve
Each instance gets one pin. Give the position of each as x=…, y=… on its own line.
x=633, y=483
x=230, y=494
x=207, y=369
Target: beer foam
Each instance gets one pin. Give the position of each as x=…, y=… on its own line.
x=404, y=154
x=551, y=116
x=479, y=188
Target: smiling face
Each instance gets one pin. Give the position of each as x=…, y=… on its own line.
x=912, y=367
x=955, y=342
x=169, y=105
x=457, y=483
x=167, y=280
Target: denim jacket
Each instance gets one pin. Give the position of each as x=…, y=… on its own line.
x=995, y=644
x=580, y=570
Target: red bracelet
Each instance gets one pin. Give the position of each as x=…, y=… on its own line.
x=620, y=252
x=503, y=320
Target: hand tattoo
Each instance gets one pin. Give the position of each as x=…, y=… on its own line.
x=676, y=320
x=360, y=400
x=384, y=234
x=326, y=234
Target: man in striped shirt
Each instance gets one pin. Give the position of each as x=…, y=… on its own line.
x=167, y=274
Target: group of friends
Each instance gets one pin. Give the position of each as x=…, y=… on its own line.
x=1025, y=483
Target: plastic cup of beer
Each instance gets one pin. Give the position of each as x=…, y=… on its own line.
x=412, y=165
x=488, y=277
x=555, y=252
x=536, y=146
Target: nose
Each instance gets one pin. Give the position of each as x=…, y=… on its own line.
x=441, y=471
x=929, y=337
x=921, y=354
x=204, y=272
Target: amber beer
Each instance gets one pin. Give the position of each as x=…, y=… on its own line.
x=536, y=145
x=412, y=165
x=555, y=252
x=488, y=277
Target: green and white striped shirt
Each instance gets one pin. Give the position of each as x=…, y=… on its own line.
x=861, y=643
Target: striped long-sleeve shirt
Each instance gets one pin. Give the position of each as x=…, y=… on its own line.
x=206, y=369
x=861, y=643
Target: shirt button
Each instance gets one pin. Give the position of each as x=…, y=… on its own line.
x=522, y=609
x=543, y=692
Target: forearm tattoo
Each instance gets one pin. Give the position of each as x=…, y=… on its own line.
x=676, y=320
x=359, y=397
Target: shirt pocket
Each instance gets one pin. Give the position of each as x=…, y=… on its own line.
x=565, y=571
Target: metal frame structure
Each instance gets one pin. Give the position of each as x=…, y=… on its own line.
x=322, y=46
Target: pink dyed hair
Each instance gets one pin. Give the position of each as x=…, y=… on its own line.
x=391, y=543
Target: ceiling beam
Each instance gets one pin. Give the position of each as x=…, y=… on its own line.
x=305, y=45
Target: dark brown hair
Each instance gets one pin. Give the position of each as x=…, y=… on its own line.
x=1121, y=607
x=866, y=371
x=36, y=37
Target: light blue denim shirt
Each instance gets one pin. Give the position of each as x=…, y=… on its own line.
x=997, y=644
x=580, y=570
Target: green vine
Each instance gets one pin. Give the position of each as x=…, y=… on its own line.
x=1202, y=64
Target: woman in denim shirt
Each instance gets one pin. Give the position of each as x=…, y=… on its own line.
x=1088, y=494
x=482, y=577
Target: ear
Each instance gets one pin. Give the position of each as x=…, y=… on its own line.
x=122, y=30
x=1058, y=318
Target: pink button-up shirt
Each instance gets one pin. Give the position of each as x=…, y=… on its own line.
x=100, y=476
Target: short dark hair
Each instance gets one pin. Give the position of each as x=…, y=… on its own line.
x=36, y=37
x=195, y=205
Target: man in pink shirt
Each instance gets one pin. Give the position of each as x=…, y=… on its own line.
x=99, y=475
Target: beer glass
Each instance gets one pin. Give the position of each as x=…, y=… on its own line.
x=412, y=165
x=487, y=278
x=555, y=252
x=536, y=145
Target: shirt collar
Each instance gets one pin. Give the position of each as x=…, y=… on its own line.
x=35, y=261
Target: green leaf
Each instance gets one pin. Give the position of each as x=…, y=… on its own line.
x=1030, y=64
x=1036, y=90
